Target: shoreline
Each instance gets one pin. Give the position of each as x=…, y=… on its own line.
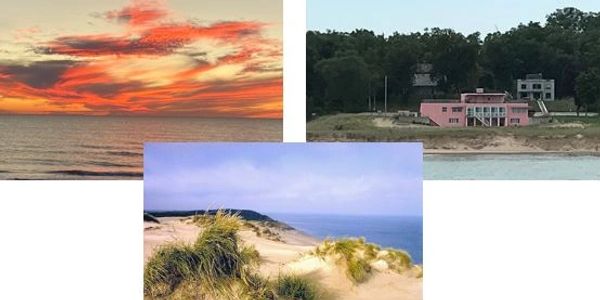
x=508, y=152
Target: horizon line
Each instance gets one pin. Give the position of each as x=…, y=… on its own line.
x=272, y=212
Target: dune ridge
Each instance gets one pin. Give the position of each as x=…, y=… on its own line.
x=288, y=252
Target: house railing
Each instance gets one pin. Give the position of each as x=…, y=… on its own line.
x=486, y=114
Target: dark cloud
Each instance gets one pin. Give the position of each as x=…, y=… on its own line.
x=100, y=45
x=109, y=90
x=40, y=75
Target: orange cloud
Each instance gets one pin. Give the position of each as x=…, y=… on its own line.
x=140, y=12
x=154, y=67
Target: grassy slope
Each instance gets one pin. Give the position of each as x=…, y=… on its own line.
x=349, y=127
x=217, y=266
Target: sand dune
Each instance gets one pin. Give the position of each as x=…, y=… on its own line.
x=288, y=251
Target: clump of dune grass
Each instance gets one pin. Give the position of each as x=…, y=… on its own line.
x=295, y=287
x=356, y=255
x=397, y=260
x=215, y=264
x=263, y=229
x=350, y=253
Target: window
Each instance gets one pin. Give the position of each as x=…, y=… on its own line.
x=486, y=109
x=494, y=109
x=515, y=121
x=523, y=86
x=537, y=96
x=537, y=86
x=453, y=120
x=502, y=109
x=524, y=95
x=478, y=109
x=469, y=110
x=548, y=86
x=444, y=109
x=519, y=110
x=457, y=109
x=548, y=96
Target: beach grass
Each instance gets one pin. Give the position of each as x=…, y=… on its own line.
x=294, y=287
x=357, y=255
x=217, y=266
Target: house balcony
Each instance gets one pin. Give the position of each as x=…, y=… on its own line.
x=486, y=114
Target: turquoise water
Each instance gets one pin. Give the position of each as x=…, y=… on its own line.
x=404, y=232
x=511, y=167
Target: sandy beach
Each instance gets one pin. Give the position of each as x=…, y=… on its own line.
x=288, y=251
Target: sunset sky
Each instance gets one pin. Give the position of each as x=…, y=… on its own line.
x=209, y=58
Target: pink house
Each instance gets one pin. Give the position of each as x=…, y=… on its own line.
x=476, y=109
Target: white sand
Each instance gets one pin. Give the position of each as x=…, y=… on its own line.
x=291, y=256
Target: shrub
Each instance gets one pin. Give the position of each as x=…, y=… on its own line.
x=357, y=256
x=358, y=269
x=398, y=260
x=212, y=265
x=295, y=287
x=168, y=267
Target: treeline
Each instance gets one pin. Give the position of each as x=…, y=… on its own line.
x=345, y=70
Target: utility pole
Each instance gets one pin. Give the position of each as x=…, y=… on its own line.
x=385, y=103
x=369, y=95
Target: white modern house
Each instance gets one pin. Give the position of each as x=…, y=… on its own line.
x=535, y=87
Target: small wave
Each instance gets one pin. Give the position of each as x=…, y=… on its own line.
x=94, y=173
x=110, y=164
x=124, y=153
x=96, y=147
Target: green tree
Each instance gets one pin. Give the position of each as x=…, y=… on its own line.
x=588, y=89
x=346, y=79
x=454, y=58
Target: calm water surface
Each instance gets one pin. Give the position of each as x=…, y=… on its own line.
x=76, y=147
x=396, y=232
x=511, y=167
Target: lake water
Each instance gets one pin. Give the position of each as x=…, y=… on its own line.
x=396, y=232
x=77, y=147
x=511, y=167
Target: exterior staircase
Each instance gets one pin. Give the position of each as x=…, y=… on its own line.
x=542, y=107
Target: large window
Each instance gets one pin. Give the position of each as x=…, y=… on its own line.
x=537, y=86
x=548, y=96
x=515, y=121
x=453, y=120
x=523, y=86
x=444, y=109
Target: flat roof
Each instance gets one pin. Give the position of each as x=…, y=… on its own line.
x=484, y=94
x=440, y=101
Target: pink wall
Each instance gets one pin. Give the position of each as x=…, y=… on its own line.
x=522, y=116
x=436, y=114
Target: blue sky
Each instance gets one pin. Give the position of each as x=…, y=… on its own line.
x=466, y=16
x=343, y=179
